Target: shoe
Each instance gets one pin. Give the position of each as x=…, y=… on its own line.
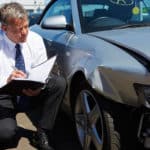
x=40, y=140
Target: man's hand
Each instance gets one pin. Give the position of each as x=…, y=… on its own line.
x=16, y=74
x=30, y=92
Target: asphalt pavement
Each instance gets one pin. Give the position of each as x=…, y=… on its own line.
x=64, y=134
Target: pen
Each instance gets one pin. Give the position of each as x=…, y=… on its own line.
x=14, y=68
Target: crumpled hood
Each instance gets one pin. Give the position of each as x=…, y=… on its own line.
x=134, y=39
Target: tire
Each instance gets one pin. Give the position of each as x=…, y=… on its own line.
x=94, y=126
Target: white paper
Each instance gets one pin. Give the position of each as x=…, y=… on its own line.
x=40, y=72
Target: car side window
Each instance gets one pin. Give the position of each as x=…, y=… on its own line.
x=60, y=7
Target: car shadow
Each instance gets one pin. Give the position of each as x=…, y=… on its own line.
x=64, y=131
x=65, y=134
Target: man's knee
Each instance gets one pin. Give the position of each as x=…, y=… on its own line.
x=8, y=129
x=57, y=83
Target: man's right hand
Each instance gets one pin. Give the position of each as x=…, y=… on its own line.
x=16, y=74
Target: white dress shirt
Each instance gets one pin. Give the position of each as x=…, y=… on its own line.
x=33, y=51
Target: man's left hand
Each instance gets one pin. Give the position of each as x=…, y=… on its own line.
x=30, y=92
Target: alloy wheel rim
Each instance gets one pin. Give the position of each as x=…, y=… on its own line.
x=88, y=120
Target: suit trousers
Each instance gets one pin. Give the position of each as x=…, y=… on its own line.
x=48, y=102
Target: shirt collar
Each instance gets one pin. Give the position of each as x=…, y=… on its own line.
x=11, y=44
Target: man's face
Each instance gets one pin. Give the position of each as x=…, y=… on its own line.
x=17, y=29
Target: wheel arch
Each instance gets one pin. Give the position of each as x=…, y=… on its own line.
x=76, y=81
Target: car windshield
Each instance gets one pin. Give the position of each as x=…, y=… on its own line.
x=98, y=15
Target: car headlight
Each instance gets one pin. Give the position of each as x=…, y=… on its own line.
x=143, y=92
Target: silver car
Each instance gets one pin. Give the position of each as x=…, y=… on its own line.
x=103, y=49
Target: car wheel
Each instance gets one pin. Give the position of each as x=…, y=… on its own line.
x=94, y=126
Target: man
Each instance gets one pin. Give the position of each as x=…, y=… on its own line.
x=14, y=36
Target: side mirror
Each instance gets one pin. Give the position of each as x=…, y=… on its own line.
x=55, y=22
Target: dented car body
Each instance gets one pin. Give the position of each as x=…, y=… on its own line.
x=103, y=49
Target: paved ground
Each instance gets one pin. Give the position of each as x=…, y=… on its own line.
x=26, y=127
x=64, y=138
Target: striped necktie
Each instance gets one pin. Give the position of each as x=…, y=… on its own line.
x=19, y=60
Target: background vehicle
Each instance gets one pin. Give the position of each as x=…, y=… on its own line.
x=34, y=17
x=103, y=49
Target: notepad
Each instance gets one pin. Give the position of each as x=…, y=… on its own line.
x=37, y=78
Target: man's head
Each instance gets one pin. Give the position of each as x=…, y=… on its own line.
x=14, y=21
